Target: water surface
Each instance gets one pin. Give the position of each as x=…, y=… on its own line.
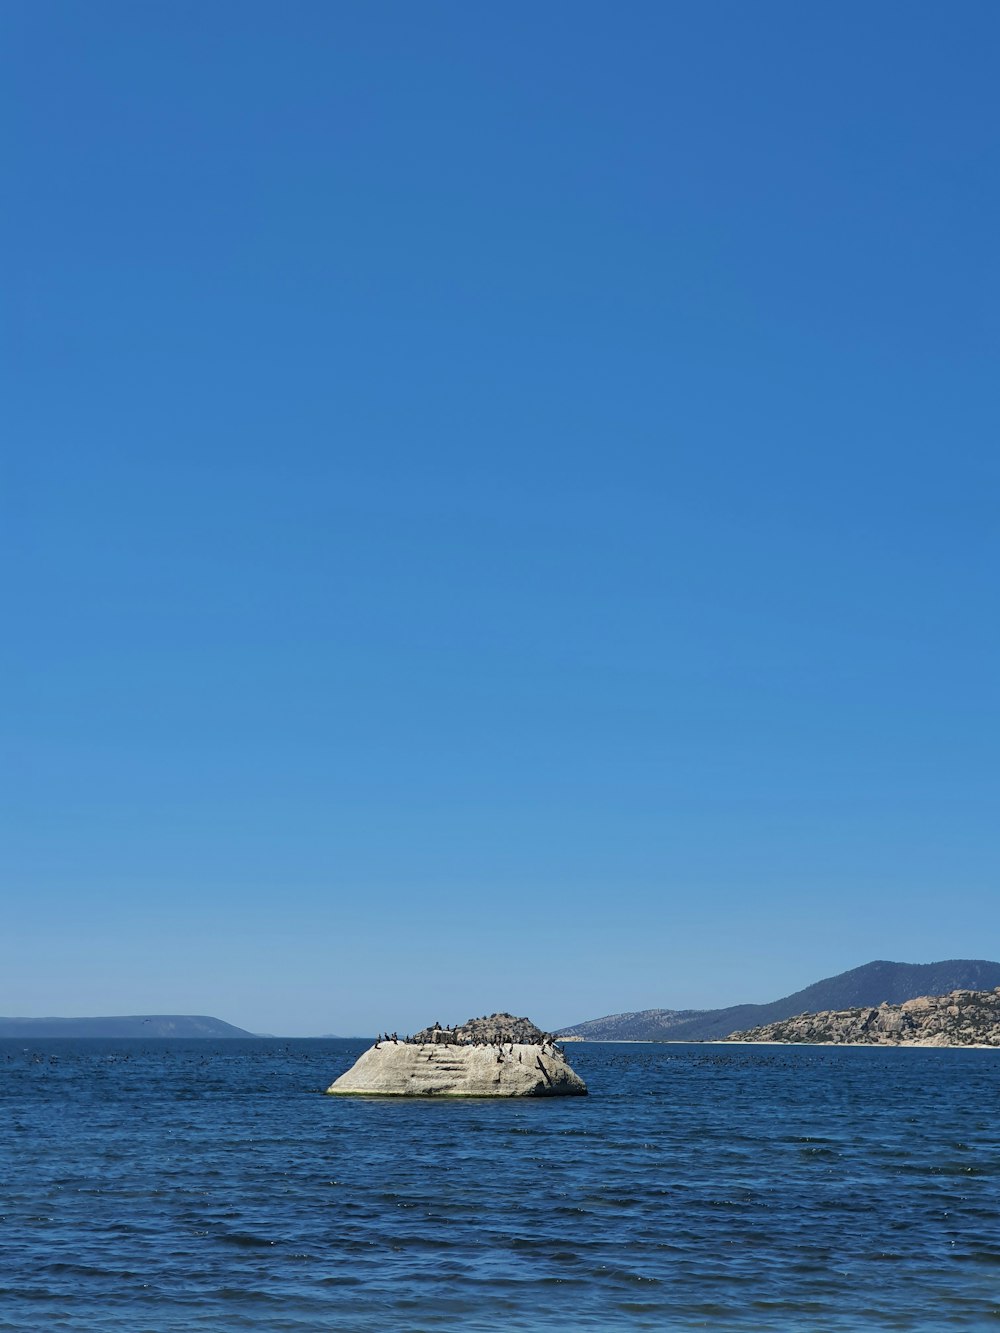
x=177, y=1185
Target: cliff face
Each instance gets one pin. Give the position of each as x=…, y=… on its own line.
x=961, y=1018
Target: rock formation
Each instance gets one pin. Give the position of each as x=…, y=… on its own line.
x=962, y=1018
x=500, y=1056
x=502, y=1028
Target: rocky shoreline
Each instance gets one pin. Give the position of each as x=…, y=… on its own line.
x=961, y=1018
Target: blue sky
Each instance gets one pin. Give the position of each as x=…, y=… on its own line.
x=500, y=504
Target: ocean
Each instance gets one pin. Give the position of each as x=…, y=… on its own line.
x=176, y=1185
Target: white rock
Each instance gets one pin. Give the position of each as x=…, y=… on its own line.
x=402, y=1069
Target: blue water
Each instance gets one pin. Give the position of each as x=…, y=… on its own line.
x=203, y=1185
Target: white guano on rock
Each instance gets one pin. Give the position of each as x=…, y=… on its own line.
x=411, y=1069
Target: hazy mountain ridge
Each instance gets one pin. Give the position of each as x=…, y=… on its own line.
x=621, y=1027
x=126, y=1025
x=879, y=982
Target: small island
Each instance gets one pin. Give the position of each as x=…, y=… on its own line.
x=496, y=1056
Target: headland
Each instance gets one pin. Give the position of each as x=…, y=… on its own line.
x=961, y=1018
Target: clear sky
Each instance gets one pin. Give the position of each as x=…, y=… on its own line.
x=500, y=504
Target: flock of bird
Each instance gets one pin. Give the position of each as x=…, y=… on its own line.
x=446, y=1037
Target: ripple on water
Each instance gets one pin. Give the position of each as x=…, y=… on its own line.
x=179, y=1186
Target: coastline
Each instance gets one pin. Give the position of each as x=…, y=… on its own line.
x=724, y=1041
x=870, y=1045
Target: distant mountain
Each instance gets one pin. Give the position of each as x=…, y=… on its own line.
x=133, y=1025
x=622, y=1027
x=873, y=984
